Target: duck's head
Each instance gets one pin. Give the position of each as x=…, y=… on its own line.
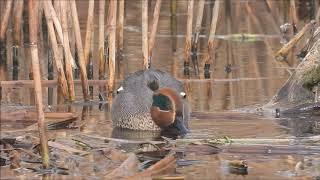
x=167, y=110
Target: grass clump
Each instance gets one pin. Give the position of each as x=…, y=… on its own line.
x=311, y=78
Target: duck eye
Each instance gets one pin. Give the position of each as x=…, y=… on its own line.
x=120, y=89
x=183, y=94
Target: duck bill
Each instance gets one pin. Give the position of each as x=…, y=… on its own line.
x=177, y=128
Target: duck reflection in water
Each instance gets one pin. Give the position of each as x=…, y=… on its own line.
x=150, y=103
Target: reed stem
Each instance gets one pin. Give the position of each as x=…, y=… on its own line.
x=198, y=21
x=101, y=39
x=89, y=32
x=154, y=27
x=293, y=13
x=318, y=16
x=18, y=9
x=58, y=28
x=112, y=45
x=54, y=45
x=68, y=56
x=3, y=60
x=33, y=27
x=213, y=28
x=82, y=63
x=187, y=48
x=145, y=48
x=5, y=19
x=173, y=24
x=120, y=27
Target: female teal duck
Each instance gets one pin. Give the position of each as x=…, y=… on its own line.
x=151, y=100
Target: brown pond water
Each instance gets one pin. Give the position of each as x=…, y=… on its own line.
x=220, y=104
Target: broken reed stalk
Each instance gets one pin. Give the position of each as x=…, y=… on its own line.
x=145, y=48
x=33, y=30
x=112, y=45
x=198, y=21
x=154, y=28
x=120, y=26
x=101, y=41
x=89, y=32
x=68, y=57
x=5, y=19
x=284, y=51
x=213, y=28
x=18, y=9
x=187, y=48
x=58, y=61
x=83, y=71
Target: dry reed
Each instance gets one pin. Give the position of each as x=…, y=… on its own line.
x=68, y=56
x=112, y=45
x=89, y=32
x=120, y=26
x=5, y=19
x=145, y=48
x=154, y=28
x=33, y=30
x=187, y=48
x=18, y=9
x=101, y=41
x=83, y=71
x=54, y=45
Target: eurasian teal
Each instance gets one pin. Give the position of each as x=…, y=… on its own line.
x=151, y=100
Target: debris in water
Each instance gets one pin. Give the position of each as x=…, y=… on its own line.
x=277, y=113
x=238, y=167
x=227, y=68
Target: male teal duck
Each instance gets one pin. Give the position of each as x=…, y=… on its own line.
x=151, y=100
